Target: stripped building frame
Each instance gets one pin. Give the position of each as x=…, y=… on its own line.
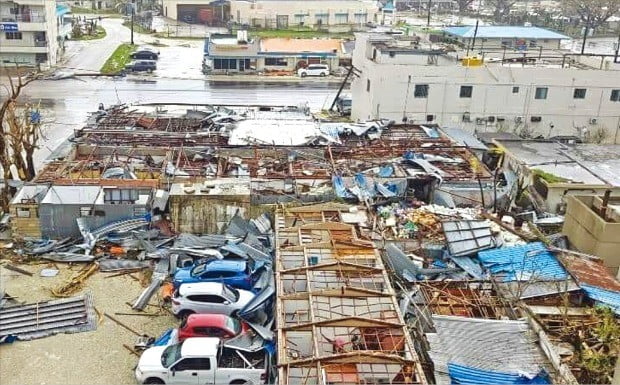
x=337, y=314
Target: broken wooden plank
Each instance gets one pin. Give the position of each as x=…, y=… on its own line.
x=138, y=314
x=131, y=350
x=18, y=270
x=121, y=324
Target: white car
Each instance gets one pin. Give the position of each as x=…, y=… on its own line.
x=314, y=70
x=199, y=360
x=208, y=297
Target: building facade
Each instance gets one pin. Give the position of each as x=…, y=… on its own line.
x=240, y=54
x=206, y=12
x=28, y=33
x=284, y=14
x=520, y=38
x=403, y=82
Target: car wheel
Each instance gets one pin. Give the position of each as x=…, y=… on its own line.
x=240, y=382
x=303, y=74
x=154, y=380
x=322, y=74
x=184, y=314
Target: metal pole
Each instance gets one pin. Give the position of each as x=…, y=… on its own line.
x=473, y=41
x=617, y=49
x=585, y=36
x=132, y=17
x=428, y=15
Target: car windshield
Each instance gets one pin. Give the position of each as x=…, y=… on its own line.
x=171, y=355
x=346, y=102
x=234, y=325
x=231, y=293
x=199, y=269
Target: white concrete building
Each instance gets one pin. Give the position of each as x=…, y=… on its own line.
x=398, y=81
x=285, y=14
x=28, y=33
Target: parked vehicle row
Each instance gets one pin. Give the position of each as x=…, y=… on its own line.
x=144, y=60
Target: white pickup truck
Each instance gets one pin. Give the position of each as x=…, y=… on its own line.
x=201, y=361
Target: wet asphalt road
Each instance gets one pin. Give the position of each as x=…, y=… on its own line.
x=65, y=104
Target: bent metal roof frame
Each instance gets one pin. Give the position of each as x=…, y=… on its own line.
x=337, y=314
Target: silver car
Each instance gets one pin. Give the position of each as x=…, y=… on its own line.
x=208, y=297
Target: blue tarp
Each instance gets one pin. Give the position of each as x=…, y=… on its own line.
x=460, y=374
x=531, y=261
x=164, y=338
x=603, y=297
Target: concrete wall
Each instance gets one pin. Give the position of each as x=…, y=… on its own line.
x=59, y=220
x=386, y=89
x=206, y=214
x=590, y=234
x=311, y=13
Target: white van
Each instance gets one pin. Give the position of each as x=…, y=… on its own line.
x=314, y=70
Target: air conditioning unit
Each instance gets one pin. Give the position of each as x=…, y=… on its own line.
x=518, y=119
x=466, y=117
x=430, y=118
x=593, y=121
x=480, y=121
x=536, y=119
x=491, y=119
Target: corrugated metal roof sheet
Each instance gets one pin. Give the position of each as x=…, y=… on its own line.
x=461, y=374
x=505, y=31
x=605, y=297
x=493, y=345
x=589, y=272
x=527, y=262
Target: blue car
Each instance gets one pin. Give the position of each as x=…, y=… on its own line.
x=238, y=274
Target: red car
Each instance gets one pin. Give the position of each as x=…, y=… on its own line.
x=211, y=325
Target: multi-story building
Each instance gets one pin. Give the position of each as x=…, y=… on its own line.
x=283, y=14
x=28, y=33
x=402, y=79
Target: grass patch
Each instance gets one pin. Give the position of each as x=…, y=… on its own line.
x=100, y=33
x=137, y=28
x=90, y=11
x=119, y=59
x=299, y=34
x=548, y=177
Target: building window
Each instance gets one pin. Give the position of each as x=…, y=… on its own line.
x=225, y=64
x=420, y=91
x=86, y=211
x=13, y=35
x=367, y=85
x=300, y=19
x=466, y=91
x=541, y=93
x=515, y=90
x=579, y=93
x=615, y=96
x=23, y=213
x=342, y=18
x=361, y=18
x=322, y=18
x=276, y=61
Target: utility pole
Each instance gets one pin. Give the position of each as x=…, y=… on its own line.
x=133, y=12
x=428, y=15
x=617, y=49
x=585, y=36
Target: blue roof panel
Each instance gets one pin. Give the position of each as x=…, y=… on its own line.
x=509, y=32
x=460, y=374
x=604, y=297
x=531, y=261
